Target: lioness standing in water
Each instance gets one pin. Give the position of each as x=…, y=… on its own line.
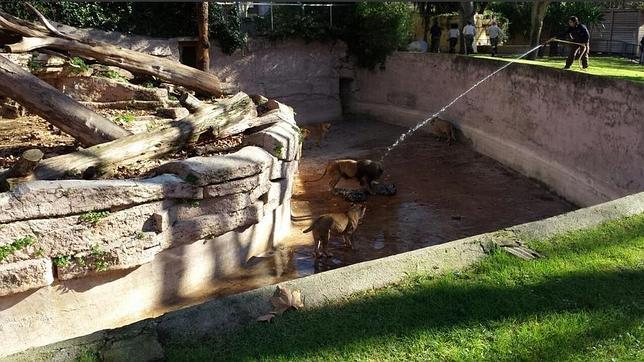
x=337, y=224
x=363, y=171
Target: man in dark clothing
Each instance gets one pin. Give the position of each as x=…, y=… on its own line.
x=436, y=32
x=642, y=51
x=578, y=33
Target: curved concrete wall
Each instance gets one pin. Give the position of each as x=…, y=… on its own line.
x=581, y=135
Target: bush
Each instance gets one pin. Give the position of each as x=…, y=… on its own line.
x=377, y=30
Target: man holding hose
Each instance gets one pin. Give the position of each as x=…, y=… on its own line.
x=578, y=33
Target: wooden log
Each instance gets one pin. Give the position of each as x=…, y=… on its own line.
x=227, y=117
x=165, y=69
x=22, y=170
x=78, y=121
x=191, y=102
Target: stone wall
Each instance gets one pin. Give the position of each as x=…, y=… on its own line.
x=302, y=75
x=579, y=134
x=78, y=256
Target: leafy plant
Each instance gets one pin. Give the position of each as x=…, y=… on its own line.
x=79, y=64
x=378, y=30
x=15, y=246
x=148, y=84
x=140, y=235
x=101, y=265
x=62, y=261
x=112, y=75
x=34, y=65
x=93, y=217
x=125, y=118
x=279, y=150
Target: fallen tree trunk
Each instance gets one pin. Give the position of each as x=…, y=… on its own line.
x=224, y=118
x=22, y=170
x=165, y=69
x=78, y=121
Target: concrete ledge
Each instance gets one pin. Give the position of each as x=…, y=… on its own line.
x=224, y=315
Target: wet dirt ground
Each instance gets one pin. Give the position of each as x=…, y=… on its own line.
x=444, y=192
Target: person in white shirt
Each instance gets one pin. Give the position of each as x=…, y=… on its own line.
x=453, y=34
x=494, y=32
x=469, y=31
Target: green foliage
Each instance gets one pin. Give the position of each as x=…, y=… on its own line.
x=140, y=235
x=13, y=247
x=62, y=261
x=79, y=64
x=307, y=23
x=225, y=28
x=377, y=30
x=93, y=217
x=103, y=15
x=279, y=150
x=125, y=118
x=556, y=20
x=34, y=65
x=108, y=73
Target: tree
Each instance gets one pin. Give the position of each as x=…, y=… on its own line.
x=539, y=9
x=466, y=12
x=203, y=56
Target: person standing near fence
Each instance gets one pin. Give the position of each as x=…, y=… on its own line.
x=435, y=32
x=469, y=31
x=578, y=33
x=642, y=51
x=453, y=34
x=494, y=32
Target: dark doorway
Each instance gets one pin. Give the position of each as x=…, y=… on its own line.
x=345, y=93
x=188, y=54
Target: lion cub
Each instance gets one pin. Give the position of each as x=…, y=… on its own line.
x=442, y=128
x=317, y=132
x=338, y=224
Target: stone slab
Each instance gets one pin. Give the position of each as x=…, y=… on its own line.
x=282, y=140
x=283, y=169
x=217, y=169
x=242, y=185
x=39, y=199
x=70, y=235
x=25, y=275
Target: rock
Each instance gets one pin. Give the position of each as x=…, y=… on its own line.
x=213, y=206
x=207, y=226
x=25, y=275
x=71, y=235
x=283, y=169
x=138, y=250
x=217, y=169
x=281, y=140
x=11, y=109
x=278, y=194
x=39, y=199
x=237, y=186
x=173, y=113
x=110, y=71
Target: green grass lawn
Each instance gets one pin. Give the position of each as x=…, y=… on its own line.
x=612, y=67
x=584, y=301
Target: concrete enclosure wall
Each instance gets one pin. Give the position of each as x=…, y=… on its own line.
x=77, y=256
x=304, y=76
x=582, y=135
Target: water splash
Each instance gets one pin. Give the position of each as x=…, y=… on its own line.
x=424, y=122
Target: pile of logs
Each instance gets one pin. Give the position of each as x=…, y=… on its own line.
x=107, y=144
